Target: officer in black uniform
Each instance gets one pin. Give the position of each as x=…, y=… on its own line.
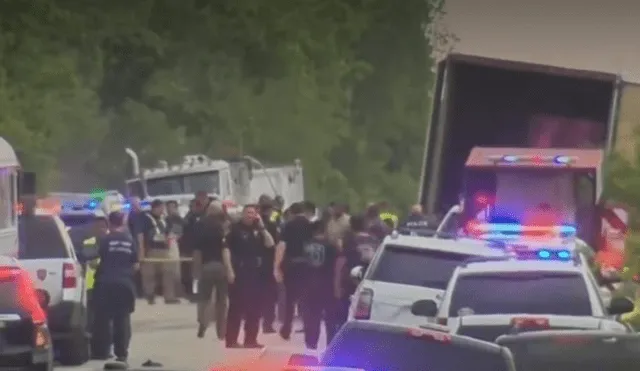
x=114, y=291
x=270, y=297
x=289, y=265
x=317, y=298
x=247, y=241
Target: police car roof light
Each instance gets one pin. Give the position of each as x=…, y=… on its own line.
x=516, y=227
x=562, y=160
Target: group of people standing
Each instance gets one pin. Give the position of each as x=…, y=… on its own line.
x=240, y=265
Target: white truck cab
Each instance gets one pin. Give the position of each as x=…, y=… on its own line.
x=237, y=181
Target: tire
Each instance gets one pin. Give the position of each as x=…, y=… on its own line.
x=74, y=351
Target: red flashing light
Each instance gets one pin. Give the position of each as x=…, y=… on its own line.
x=435, y=335
x=529, y=322
x=27, y=296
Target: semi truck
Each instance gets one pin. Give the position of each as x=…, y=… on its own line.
x=520, y=107
x=488, y=102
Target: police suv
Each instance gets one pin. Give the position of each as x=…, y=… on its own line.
x=407, y=267
x=490, y=297
x=47, y=253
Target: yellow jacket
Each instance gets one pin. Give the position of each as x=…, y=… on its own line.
x=391, y=217
x=90, y=274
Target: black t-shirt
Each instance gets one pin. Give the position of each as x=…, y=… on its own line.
x=247, y=248
x=295, y=234
x=189, y=237
x=320, y=258
x=154, y=230
x=209, y=239
x=175, y=224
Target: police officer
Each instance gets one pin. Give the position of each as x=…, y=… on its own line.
x=289, y=265
x=389, y=218
x=154, y=244
x=270, y=296
x=91, y=260
x=416, y=218
x=247, y=241
x=189, y=240
x=317, y=299
x=115, y=287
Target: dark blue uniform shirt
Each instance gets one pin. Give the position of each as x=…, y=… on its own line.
x=118, y=255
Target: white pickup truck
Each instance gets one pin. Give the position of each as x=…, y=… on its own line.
x=47, y=253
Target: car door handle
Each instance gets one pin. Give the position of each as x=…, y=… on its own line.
x=610, y=340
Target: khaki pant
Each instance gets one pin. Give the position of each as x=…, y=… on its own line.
x=214, y=277
x=150, y=271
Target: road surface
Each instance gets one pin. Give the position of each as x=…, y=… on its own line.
x=167, y=334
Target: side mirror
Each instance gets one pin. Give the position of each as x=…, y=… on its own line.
x=424, y=308
x=303, y=360
x=620, y=305
x=357, y=273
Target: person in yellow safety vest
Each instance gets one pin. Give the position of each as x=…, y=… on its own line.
x=90, y=255
x=386, y=216
x=633, y=318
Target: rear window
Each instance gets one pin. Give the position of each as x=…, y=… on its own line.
x=521, y=292
x=576, y=353
x=371, y=349
x=40, y=238
x=416, y=267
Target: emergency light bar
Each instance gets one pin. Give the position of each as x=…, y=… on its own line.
x=523, y=252
x=560, y=160
x=519, y=228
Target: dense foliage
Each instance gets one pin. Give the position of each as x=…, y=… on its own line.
x=341, y=84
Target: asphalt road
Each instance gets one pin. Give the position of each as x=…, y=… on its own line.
x=167, y=334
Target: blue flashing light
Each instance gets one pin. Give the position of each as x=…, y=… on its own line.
x=544, y=254
x=564, y=254
x=510, y=158
x=514, y=227
x=563, y=160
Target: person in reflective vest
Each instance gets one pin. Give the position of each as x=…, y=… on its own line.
x=389, y=219
x=90, y=255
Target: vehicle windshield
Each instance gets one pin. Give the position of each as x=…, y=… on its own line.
x=181, y=184
x=40, y=238
x=375, y=350
x=521, y=292
x=416, y=267
x=585, y=354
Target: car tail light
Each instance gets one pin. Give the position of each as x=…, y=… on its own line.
x=441, y=321
x=430, y=334
x=69, y=276
x=363, y=305
x=27, y=297
x=530, y=322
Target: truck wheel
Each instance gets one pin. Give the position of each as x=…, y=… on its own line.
x=75, y=350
